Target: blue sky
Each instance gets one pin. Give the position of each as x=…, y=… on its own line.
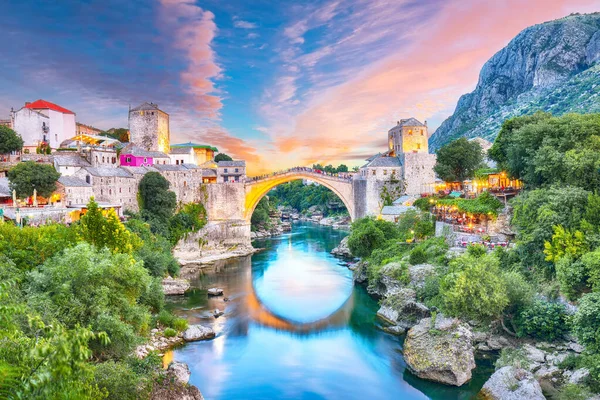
x=277, y=83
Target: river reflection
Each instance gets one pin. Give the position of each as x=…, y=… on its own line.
x=296, y=328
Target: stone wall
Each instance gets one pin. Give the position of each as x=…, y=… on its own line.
x=225, y=201
x=418, y=172
x=359, y=189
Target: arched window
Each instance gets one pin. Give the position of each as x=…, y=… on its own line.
x=87, y=179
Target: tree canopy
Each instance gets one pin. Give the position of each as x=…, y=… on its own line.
x=223, y=157
x=458, y=160
x=27, y=176
x=543, y=150
x=9, y=140
x=155, y=197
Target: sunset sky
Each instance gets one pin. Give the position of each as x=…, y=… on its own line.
x=276, y=83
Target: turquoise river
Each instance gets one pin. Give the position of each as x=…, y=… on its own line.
x=295, y=327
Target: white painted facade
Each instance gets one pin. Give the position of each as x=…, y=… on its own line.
x=35, y=126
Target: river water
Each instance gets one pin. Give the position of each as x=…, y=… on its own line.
x=295, y=327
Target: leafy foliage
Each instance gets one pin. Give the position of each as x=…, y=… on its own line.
x=543, y=320
x=107, y=231
x=222, y=157
x=586, y=322
x=458, y=160
x=155, y=197
x=543, y=150
x=9, y=140
x=27, y=176
x=474, y=288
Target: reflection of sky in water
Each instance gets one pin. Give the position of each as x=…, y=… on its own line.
x=259, y=356
x=268, y=364
x=301, y=286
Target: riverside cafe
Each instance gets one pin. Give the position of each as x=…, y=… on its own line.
x=496, y=182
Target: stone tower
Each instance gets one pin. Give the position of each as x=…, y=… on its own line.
x=408, y=141
x=149, y=127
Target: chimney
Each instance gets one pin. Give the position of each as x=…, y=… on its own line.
x=425, y=122
x=398, y=122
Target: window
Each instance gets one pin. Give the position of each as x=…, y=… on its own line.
x=103, y=161
x=87, y=179
x=422, y=132
x=119, y=190
x=128, y=159
x=145, y=159
x=184, y=184
x=418, y=146
x=237, y=170
x=176, y=162
x=385, y=171
x=225, y=170
x=410, y=131
x=374, y=172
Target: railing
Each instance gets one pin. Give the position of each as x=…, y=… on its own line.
x=341, y=176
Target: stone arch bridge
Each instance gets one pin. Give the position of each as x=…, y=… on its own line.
x=229, y=206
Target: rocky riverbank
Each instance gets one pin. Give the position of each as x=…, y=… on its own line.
x=443, y=349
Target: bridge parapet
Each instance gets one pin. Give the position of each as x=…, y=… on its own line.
x=342, y=177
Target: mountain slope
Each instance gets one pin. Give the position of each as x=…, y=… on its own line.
x=552, y=67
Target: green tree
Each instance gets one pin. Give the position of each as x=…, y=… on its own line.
x=222, y=157
x=544, y=320
x=155, y=197
x=90, y=287
x=474, y=288
x=9, y=140
x=458, y=160
x=120, y=134
x=27, y=176
x=543, y=150
x=260, y=216
x=365, y=237
x=107, y=231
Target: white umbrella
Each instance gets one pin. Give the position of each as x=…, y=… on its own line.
x=18, y=217
x=35, y=203
x=14, y=198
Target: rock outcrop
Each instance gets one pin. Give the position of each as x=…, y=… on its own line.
x=440, y=349
x=198, y=332
x=180, y=371
x=547, y=67
x=342, y=250
x=401, y=309
x=175, y=286
x=510, y=383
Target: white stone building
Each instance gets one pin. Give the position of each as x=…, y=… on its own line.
x=149, y=127
x=68, y=164
x=43, y=121
x=182, y=155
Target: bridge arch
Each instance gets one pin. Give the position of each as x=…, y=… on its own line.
x=257, y=189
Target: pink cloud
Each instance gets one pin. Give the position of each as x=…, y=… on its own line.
x=194, y=31
x=423, y=79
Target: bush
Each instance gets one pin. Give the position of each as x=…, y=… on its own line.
x=365, y=237
x=572, y=391
x=117, y=379
x=586, y=322
x=417, y=256
x=572, y=276
x=543, y=320
x=165, y=318
x=474, y=288
x=170, y=332
x=519, y=292
x=476, y=250
x=180, y=324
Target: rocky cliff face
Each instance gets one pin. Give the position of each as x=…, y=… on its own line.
x=551, y=67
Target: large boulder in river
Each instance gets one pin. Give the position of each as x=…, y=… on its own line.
x=342, y=250
x=510, y=383
x=390, y=280
x=440, y=349
x=402, y=309
x=198, y=332
x=174, y=286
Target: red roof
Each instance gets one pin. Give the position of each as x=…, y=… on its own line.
x=45, y=105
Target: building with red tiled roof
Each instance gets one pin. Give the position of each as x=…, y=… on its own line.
x=42, y=123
